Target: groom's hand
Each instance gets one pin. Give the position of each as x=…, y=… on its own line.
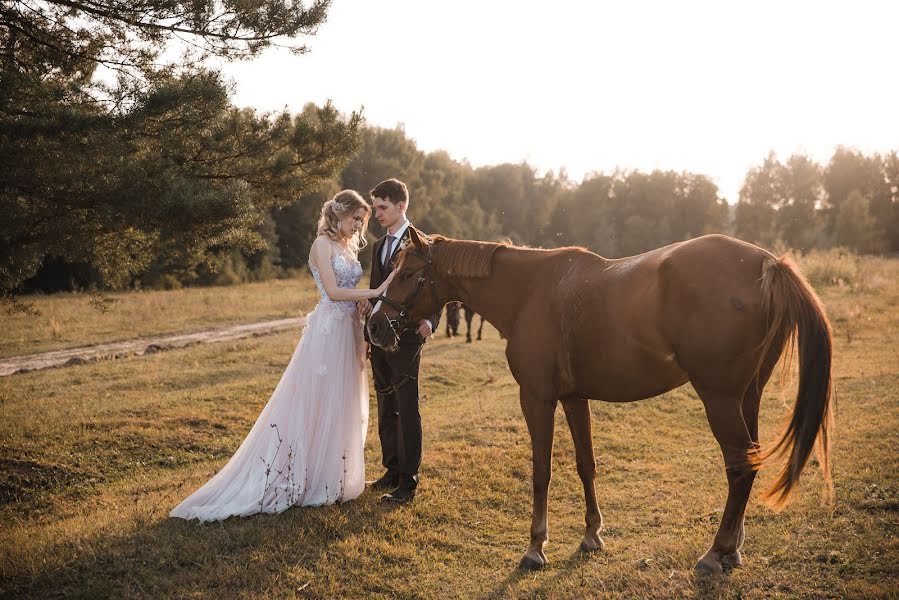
x=424, y=329
x=363, y=307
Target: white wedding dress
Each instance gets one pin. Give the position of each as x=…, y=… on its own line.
x=306, y=448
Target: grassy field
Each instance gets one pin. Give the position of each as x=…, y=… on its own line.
x=93, y=457
x=70, y=320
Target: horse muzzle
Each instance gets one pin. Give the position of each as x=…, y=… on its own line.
x=383, y=332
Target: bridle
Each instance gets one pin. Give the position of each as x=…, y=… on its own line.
x=403, y=318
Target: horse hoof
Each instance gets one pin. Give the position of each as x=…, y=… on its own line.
x=529, y=564
x=708, y=566
x=591, y=545
x=731, y=561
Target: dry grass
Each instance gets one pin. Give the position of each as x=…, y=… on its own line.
x=843, y=268
x=94, y=457
x=70, y=320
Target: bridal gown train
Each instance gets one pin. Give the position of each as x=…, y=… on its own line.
x=306, y=448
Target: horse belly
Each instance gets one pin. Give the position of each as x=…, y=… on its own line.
x=625, y=369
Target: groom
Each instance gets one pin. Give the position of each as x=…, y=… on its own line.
x=396, y=373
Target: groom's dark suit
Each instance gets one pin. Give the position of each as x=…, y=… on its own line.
x=399, y=421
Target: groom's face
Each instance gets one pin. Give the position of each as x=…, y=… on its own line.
x=387, y=213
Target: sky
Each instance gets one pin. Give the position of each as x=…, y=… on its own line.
x=706, y=87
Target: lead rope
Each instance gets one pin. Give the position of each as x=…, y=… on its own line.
x=404, y=379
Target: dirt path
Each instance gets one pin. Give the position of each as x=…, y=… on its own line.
x=140, y=346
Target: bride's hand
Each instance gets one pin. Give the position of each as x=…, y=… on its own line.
x=383, y=287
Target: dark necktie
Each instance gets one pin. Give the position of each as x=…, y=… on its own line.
x=389, y=251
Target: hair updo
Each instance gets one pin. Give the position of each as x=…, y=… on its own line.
x=344, y=203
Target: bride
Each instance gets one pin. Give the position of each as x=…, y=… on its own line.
x=306, y=448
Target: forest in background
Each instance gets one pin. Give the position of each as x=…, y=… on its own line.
x=851, y=203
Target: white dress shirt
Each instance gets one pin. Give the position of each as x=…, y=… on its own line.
x=387, y=252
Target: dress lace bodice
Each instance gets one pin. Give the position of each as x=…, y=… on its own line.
x=347, y=271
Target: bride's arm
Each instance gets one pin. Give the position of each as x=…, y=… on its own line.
x=361, y=344
x=320, y=257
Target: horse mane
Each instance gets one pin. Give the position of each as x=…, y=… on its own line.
x=464, y=258
x=473, y=258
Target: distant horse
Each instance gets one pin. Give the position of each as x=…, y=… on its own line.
x=469, y=315
x=452, y=320
x=714, y=311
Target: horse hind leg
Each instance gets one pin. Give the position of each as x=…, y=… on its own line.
x=577, y=411
x=725, y=416
x=752, y=398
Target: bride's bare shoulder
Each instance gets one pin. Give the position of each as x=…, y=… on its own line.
x=320, y=251
x=322, y=242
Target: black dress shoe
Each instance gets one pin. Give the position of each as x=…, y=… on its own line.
x=400, y=495
x=388, y=481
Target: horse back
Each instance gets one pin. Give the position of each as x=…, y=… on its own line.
x=638, y=326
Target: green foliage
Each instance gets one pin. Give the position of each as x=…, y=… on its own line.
x=802, y=193
x=851, y=202
x=156, y=166
x=296, y=226
x=853, y=225
x=627, y=213
x=756, y=208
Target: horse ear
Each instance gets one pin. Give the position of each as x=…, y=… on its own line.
x=417, y=238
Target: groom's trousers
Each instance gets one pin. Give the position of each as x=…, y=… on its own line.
x=399, y=421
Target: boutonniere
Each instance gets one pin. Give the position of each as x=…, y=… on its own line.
x=404, y=243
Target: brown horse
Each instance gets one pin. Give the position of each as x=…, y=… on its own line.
x=714, y=311
x=469, y=316
x=453, y=310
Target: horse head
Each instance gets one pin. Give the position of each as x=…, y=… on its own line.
x=414, y=294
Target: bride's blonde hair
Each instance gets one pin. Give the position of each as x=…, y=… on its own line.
x=344, y=203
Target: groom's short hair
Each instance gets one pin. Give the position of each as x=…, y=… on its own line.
x=393, y=190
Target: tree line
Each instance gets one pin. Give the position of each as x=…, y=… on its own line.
x=850, y=202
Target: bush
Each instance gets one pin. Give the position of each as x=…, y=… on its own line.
x=836, y=266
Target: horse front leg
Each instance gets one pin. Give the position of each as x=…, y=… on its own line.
x=577, y=411
x=539, y=410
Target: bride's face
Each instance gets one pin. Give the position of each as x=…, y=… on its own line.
x=352, y=223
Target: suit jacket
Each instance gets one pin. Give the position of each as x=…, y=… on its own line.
x=379, y=274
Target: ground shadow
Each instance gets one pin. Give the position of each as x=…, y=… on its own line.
x=708, y=586
x=705, y=586
x=553, y=572
x=171, y=557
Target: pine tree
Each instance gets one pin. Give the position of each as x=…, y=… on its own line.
x=111, y=158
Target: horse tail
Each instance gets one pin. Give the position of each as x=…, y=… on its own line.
x=794, y=310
